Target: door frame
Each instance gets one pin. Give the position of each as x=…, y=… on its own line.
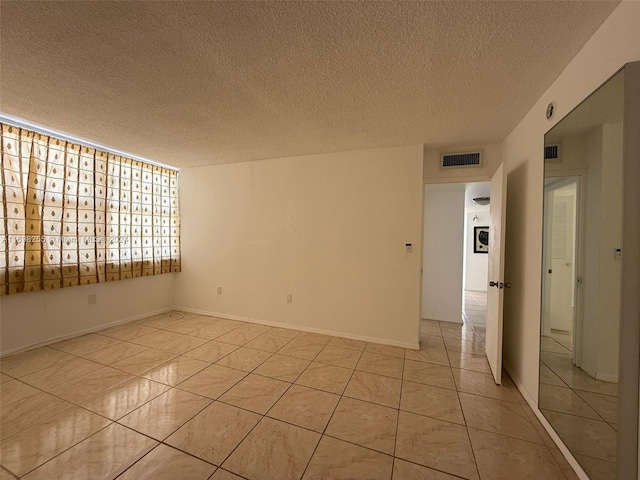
x=629, y=390
x=560, y=180
x=462, y=179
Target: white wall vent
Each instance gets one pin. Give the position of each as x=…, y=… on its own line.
x=466, y=159
x=552, y=152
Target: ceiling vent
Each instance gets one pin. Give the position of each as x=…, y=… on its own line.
x=552, y=152
x=466, y=159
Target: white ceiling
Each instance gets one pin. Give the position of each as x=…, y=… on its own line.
x=195, y=83
x=471, y=190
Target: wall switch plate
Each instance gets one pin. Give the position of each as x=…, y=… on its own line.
x=289, y=298
x=618, y=254
x=218, y=289
x=93, y=299
x=408, y=248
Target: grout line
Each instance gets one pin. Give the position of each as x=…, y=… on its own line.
x=211, y=401
x=473, y=452
x=13, y=475
x=350, y=442
x=229, y=471
x=599, y=419
x=170, y=387
x=154, y=448
x=67, y=449
x=395, y=439
x=332, y=414
x=466, y=426
x=262, y=416
x=453, y=475
x=573, y=388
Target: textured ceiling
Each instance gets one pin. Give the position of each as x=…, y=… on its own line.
x=195, y=83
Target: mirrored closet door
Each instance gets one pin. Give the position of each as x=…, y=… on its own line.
x=589, y=339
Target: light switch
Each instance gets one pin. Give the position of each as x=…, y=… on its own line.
x=408, y=248
x=618, y=254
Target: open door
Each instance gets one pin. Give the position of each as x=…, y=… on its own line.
x=495, y=291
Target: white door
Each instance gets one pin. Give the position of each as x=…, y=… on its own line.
x=562, y=272
x=495, y=291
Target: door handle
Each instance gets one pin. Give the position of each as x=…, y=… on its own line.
x=499, y=284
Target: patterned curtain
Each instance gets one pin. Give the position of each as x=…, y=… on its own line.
x=74, y=215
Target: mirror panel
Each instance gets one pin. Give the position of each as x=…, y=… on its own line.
x=581, y=287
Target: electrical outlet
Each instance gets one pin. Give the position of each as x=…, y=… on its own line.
x=219, y=289
x=93, y=299
x=289, y=298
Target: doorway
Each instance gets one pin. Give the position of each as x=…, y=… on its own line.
x=476, y=257
x=560, y=309
x=454, y=289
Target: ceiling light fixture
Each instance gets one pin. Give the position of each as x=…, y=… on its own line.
x=481, y=200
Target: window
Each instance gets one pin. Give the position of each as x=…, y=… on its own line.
x=76, y=215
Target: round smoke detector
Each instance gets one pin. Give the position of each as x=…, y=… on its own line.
x=551, y=110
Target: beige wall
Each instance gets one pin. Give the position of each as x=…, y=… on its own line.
x=614, y=44
x=328, y=229
x=29, y=319
x=610, y=269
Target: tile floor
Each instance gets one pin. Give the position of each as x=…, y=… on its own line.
x=581, y=409
x=474, y=312
x=182, y=396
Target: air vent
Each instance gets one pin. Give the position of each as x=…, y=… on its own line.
x=467, y=159
x=552, y=152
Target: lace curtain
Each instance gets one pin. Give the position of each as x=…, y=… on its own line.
x=75, y=215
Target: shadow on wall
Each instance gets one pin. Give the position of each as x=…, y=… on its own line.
x=518, y=245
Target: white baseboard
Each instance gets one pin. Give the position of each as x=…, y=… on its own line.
x=212, y=314
x=85, y=331
x=607, y=378
x=302, y=328
x=545, y=423
x=592, y=371
x=455, y=322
